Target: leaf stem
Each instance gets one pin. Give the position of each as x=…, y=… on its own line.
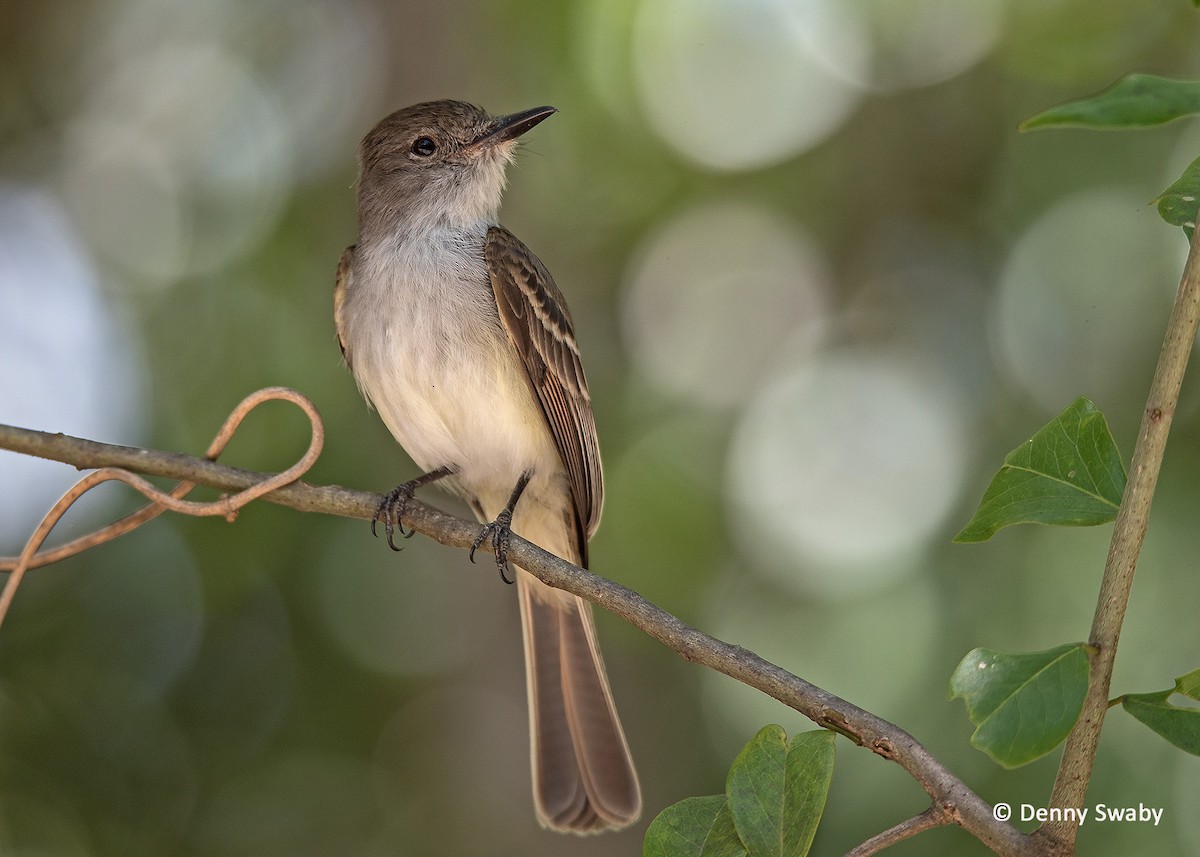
x=1129, y=531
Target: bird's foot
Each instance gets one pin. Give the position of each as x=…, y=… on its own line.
x=498, y=531
x=390, y=511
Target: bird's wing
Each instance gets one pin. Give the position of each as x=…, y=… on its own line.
x=538, y=322
x=341, y=284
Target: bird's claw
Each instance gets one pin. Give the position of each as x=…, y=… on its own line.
x=499, y=532
x=391, y=512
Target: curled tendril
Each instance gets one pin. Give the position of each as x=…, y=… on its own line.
x=161, y=501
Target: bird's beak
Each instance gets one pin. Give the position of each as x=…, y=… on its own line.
x=505, y=128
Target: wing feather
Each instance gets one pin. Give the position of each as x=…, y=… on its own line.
x=341, y=283
x=538, y=323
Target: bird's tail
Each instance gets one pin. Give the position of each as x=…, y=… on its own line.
x=583, y=776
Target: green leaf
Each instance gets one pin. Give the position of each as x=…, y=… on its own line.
x=1180, y=726
x=1177, y=204
x=1189, y=684
x=777, y=790
x=695, y=827
x=1068, y=474
x=1023, y=706
x=1132, y=102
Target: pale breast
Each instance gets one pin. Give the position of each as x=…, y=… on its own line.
x=429, y=352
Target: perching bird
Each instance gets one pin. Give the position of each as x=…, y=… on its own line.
x=458, y=336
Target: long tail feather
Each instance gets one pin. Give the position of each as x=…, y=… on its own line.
x=583, y=776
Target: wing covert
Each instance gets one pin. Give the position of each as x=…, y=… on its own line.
x=535, y=315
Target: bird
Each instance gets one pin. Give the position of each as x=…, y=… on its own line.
x=459, y=338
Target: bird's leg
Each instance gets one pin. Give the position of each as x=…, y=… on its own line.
x=391, y=509
x=499, y=530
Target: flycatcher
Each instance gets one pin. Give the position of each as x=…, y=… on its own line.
x=458, y=336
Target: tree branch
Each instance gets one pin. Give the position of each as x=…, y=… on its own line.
x=906, y=829
x=1129, y=530
x=954, y=801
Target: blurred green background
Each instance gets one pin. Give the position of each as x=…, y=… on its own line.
x=822, y=286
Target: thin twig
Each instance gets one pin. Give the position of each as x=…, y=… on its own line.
x=1129, y=530
x=906, y=829
x=957, y=803
x=160, y=500
x=151, y=511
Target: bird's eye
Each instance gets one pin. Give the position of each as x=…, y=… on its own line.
x=424, y=147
